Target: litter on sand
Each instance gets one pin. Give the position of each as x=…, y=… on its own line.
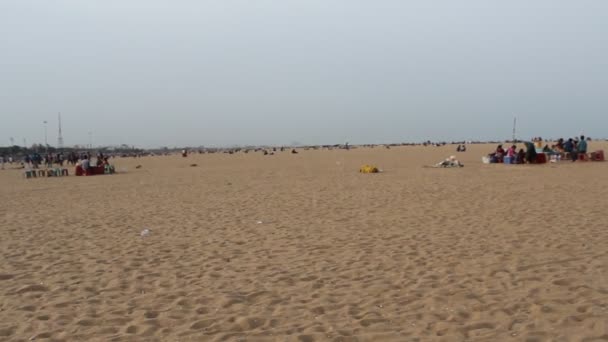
x=369, y=169
x=448, y=163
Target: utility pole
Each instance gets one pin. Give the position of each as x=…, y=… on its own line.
x=514, y=128
x=59, y=136
x=46, y=143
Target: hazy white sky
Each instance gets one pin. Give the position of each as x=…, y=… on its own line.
x=154, y=73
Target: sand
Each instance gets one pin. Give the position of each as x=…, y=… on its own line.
x=302, y=247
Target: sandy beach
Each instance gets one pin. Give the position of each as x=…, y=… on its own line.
x=247, y=247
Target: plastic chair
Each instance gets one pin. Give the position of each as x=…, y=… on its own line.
x=597, y=155
x=541, y=158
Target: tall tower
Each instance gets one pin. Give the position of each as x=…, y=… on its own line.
x=59, y=136
x=514, y=128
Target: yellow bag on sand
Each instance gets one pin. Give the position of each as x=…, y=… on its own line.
x=368, y=169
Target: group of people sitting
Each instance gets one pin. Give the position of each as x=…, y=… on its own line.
x=461, y=148
x=571, y=149
x=266, y=153
x=102, y=166
x=514, y=156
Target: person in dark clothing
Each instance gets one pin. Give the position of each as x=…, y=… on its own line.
x=530, y=152
x=560, y=145
x=521, y=156
x=569, y=148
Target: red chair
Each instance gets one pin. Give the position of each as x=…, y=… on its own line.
x=583, y=157
x=597, y=155
x=97, y=170
x=541, y=158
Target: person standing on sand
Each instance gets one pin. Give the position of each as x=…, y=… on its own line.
x=85, y=164
x=581, y=148
x=48, y=160
x=569, y=147
x=530, y=152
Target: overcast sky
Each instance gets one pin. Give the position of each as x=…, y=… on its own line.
x=155, y=73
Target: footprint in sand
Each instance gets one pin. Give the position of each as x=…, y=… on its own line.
x=131, y=330
x=564, y=282
x=33, y=288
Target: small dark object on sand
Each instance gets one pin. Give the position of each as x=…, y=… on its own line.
x=138, y=167
x=193, y=165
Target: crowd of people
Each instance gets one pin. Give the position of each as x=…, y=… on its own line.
x=5, y=160
x=514, y=156
x=89, y=166
x=51, y=159
x=36, y=160
x=572, y=147
x=563, y=149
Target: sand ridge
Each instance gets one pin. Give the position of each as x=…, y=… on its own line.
x=304, y=248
